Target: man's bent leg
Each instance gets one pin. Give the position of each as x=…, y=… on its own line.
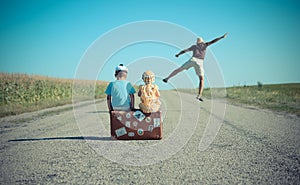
x=175, y=72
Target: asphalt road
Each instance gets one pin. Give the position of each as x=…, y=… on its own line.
x=63, y=145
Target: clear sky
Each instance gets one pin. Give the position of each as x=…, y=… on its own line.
x=49, y=37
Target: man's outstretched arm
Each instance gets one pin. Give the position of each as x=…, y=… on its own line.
x=217, y=39
x=183, y=51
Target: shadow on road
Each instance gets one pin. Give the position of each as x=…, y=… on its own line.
x=94, y=112
x=64, y=138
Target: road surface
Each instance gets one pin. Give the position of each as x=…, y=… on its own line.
x=65, y=146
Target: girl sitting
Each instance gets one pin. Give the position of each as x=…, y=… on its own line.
x=149, y=94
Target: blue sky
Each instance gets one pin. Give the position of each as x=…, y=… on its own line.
x=49, y=37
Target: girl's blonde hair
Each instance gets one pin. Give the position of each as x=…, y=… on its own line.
x=148, y=77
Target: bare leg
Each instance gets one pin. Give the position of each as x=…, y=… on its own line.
x=175, y=72
x=201, y=85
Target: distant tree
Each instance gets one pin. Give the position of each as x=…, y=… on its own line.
x=259, y=84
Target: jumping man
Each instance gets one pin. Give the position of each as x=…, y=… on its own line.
x=199, y=50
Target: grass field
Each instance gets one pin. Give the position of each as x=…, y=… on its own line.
x=24, y=93
x=278, y=97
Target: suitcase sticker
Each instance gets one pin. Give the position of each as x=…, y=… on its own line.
x=139, y=115
x=120, y=132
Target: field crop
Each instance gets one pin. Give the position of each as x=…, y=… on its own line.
x=22, y=93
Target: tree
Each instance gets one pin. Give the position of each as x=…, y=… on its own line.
x=259, y=84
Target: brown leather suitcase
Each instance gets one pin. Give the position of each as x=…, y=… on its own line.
x=135, y=125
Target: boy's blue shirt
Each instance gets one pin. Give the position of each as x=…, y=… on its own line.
x=119, y=91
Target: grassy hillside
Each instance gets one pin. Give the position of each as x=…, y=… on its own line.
x=279, y=97
x=23, y=93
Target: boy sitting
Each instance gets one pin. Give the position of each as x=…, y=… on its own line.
x=120, y=93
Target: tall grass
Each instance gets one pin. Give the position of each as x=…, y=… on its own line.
x=279, y=97
x=22, y=93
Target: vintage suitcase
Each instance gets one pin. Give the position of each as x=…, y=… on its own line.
x=135, y=125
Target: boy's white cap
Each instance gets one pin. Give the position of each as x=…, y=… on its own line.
x=121, y=67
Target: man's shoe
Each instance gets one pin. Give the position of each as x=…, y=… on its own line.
x=165, y=80
x=199, y=98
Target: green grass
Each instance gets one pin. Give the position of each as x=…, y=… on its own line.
x=279, y=97
x=25, y=93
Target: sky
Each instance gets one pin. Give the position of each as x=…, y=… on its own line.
x=50, y=37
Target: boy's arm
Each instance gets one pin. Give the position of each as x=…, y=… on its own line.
x=217, y=39
x=109, y=105
x=131, y=101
